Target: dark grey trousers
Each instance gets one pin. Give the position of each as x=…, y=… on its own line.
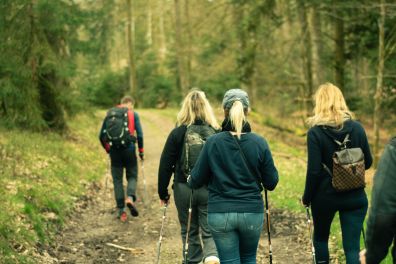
x=201, y=244
x=123, y=159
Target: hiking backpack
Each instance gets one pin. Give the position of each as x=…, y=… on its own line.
x=194, y=140
x=116, y=127
x=348, y=167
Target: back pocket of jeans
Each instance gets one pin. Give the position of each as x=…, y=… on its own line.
x=254, y=221
x=217, y=222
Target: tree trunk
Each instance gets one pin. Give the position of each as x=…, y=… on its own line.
x=379, y=87
x=189, y=41
x=131, y=50
x=247, y=20
x=314, y=22
x=339, y=49
x=306, y=55
x=180, y=51
x=162, y=39
x=149, y=35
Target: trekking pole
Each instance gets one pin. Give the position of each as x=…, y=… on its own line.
x=310, y=234
x=144, y=183
x=188, y=228
x=267, y=213
x=161, y=233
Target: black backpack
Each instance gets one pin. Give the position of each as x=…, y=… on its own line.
x=194, y=140
x=116, y=128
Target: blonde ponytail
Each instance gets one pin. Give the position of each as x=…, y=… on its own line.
x=237, y=117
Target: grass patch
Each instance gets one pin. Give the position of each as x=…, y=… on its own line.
x=42, y=175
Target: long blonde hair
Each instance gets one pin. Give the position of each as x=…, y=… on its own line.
x=237, y=117
x=330, y=107
x=196, y=106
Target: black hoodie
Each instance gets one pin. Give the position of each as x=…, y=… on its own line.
x=320, y=150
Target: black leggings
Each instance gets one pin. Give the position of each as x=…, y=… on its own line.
x=351, y=226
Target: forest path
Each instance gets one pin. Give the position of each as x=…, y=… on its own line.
x=94, y=224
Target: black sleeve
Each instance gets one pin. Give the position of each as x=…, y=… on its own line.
x=368, y=159
x=169, y=158
x=380, y=235
x=269, y=173
x=314, y=168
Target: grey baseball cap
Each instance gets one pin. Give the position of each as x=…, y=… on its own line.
x=233, y=95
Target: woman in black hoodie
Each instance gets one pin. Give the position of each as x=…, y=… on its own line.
x=331, y=121
x=195, y=116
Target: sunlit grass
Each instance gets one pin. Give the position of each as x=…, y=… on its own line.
x=42, y=175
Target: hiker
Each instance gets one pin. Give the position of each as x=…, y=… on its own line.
x=178, y=156
x=235, y=181
x=117, y=136
x=333, y=122
x=381, y=223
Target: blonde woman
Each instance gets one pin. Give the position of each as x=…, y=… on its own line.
x=178, y=156
x=235, y=206
x=331, y=121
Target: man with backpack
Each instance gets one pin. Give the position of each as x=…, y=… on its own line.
x=117, y=136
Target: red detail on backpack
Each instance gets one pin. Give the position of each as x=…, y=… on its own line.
x=131, y=122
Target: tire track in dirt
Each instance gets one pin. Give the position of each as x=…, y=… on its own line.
x=94, y=223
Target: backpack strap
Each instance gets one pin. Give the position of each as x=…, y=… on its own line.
x=258, y=181
x=341, y=145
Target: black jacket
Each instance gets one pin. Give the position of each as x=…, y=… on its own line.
x=170, y=158
x=320, y=150
x=381, y=224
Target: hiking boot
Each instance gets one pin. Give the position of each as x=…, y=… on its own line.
x=131, y=206
x=212, y=260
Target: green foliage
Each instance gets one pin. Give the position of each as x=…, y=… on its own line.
x=60, y=167
x=108, y=89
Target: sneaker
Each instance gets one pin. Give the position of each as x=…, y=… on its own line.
x=131, y=206
x=122, y=215
x=212, y=260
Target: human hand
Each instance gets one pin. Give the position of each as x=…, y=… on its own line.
x=302, y=202
x=362, y=256
x=141, y=155
x=165, y=201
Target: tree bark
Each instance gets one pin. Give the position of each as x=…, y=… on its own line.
x=131, y=49
x=247, y=18
x=306, y=55
x=161, y=39
x=339, y=49
x=149, y=35
x=189, y=41
x=379, y=87
x=314, y=23
x=181, y=65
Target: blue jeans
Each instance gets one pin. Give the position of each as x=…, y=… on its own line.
x=236, y=236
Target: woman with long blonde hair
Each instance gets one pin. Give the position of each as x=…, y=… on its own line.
x=195, y=123
x=333, y=121
x=236, y=164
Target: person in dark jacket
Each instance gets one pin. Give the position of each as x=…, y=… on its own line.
x=197, y=111
x=125, y=158
x=333, y=120
x=235, y=206
x=381, y=223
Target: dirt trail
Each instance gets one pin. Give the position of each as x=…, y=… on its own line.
x=94, y=224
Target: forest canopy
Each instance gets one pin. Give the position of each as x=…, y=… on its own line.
x=58, y=56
